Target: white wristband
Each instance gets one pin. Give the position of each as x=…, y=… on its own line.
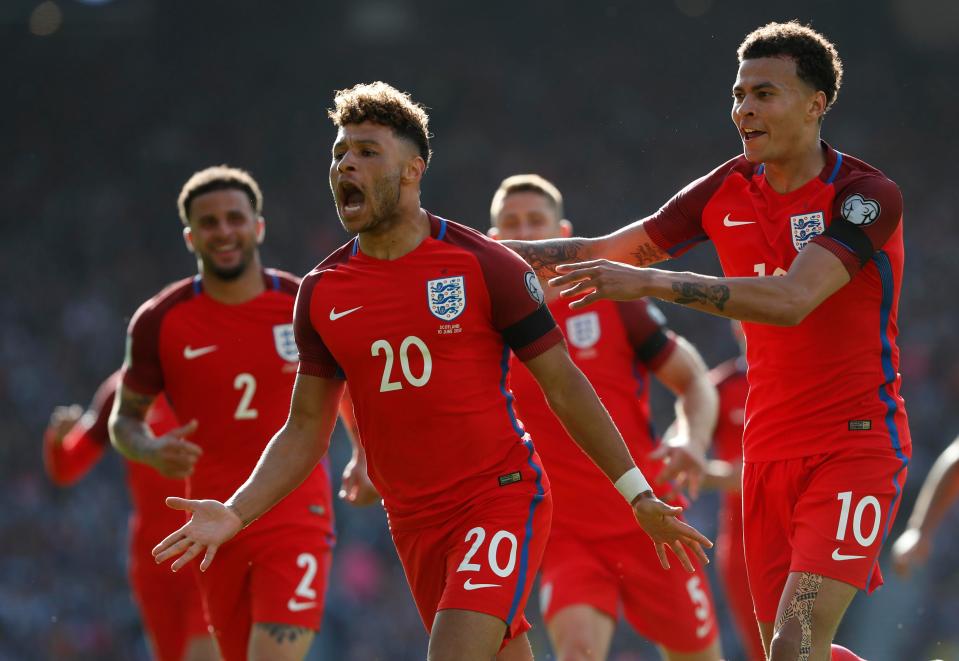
x=632, y=483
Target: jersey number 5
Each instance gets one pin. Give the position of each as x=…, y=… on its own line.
x=384, y=347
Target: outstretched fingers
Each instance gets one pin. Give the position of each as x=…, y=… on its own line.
x=661, y=552
x=163, y=551
x=208, y=556
x=191, y=553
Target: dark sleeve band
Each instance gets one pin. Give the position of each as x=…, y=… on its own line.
x=529, y=329
x=851, y=237
x=655, y=343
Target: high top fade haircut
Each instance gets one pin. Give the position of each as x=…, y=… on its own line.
x=382, y=103
x=817, y=61
x=526, y=183
x=219, y=177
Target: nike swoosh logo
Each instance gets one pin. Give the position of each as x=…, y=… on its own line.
x=733, y=223
x=297, y=606
x=334, y=315
x=476, y=586
x=190, y=353
x=836, y=555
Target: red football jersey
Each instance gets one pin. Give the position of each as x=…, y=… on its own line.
x=832, y=379
x=424, y=342
x=231, y=368
x=615, y=345
x=732, y=387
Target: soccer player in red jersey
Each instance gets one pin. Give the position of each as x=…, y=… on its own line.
x=810, y=241
x=939, y=491
x=220, y=346
x=595, y=563
x=170, y=606
x=419, y=314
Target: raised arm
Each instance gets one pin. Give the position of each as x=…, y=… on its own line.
x=288, y=459
x=171, y=454
x=630, y=245
x=814, y=276
x=577, y=406
x=938, y=493
x=697, y=405
x=71, y=444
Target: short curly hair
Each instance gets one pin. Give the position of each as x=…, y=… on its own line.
x=526, y=183
x=219, y=177
x=381, y=103
x=816, y=58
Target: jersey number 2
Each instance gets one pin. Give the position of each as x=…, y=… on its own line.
x=384, y=347
x=246, y=384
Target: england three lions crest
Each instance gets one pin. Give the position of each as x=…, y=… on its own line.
x=447, y=297
x=285, y=342
x=583, y=330
x=806, y=227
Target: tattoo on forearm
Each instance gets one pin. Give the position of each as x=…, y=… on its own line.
x=694, y=292
x=648, y=253
x=133, y=404
x=800, y=608
x=284, y=633
x=544, y=255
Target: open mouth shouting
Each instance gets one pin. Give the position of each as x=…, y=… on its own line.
x=352, y=199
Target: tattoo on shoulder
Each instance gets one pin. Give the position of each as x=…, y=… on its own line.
x=544, y=255
x=284, y=633
x=648, y=253
x=694, y=292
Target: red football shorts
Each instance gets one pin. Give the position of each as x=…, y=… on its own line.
x=169, y=604
x=731, y=568
x=825, y=514
x=276, y=576
x=484, y=559
x=670, y=607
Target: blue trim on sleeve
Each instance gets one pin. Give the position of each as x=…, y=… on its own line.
x=356, y=247
x=835, y=170
x=442, y=232
x=276, y=279
x=886, y=279
x=528, y=536
x=685, y=244
x=197, y=285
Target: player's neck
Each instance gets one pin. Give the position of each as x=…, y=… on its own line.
x=797, y=169
x=396, y=237
x=246, y=287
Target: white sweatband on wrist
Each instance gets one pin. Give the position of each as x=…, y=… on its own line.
x=632, y=483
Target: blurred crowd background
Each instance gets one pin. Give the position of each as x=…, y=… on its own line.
x=109, y=106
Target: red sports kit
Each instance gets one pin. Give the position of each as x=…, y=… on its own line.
x=231, y=368
x=597, y=554
x=826, y=442
x=424, y=342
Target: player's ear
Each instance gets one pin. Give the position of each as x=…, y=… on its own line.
x=565, y=228
x=493, y=233
x=817, y=105
x=413, y=169
x=188, y=238
x=260, y=229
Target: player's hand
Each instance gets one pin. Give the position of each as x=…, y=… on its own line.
x=599, y=279
x=211, y=525
x=173, y=456
x=685, y=463
x=356, y=487
x=911, y=550
x=61, y=421
x=660, y=522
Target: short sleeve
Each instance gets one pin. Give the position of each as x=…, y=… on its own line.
x=645, y=326
x=315, y=357
x=866, y=211
x=678, y=225
x=142, y=371
x=518, y=305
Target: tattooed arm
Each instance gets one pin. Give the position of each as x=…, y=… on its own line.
x=630, y=245
x=170, y=454
x=814, y=276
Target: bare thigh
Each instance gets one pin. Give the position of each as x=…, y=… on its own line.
x=279, y=642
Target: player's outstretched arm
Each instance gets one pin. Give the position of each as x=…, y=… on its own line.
x=630, y=245
x=69, y=449
x=814, y=276
x=938, y=493
x=355, y=486
x=171, y=454
x=697, y=406
x=288, y=459
x=577, y=406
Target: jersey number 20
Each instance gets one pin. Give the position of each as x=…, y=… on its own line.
x=384, y=347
